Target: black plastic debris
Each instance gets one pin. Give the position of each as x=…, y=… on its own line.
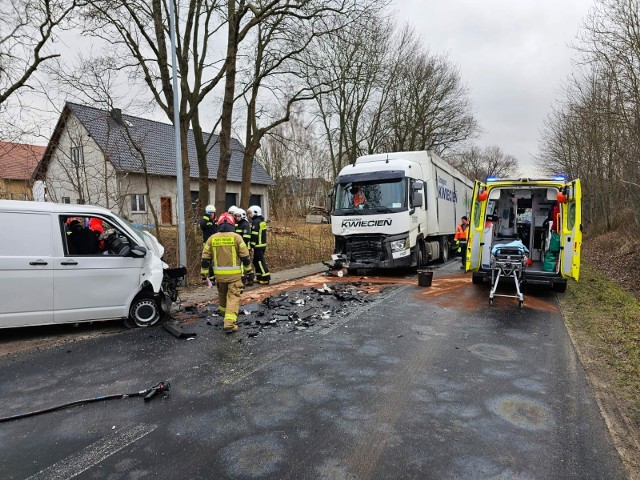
x=174, y=328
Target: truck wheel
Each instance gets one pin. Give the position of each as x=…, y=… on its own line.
x=477, y=279
x=560, y=287
x=144, y=311
x=444, y=249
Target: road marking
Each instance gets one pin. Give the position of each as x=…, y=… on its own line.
x=93, y=454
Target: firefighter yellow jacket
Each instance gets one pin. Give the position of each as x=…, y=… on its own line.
x=224, y=250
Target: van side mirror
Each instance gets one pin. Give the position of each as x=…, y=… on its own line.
x=418, y=185
x=416, y=199
x=137, y=251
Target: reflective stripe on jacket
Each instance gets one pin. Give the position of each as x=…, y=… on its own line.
x=258, y=232
x=244, y=230
x=224, y=250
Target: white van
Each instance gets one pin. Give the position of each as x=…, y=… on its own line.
x=62, y=263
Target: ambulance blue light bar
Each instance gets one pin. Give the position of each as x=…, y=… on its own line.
x=559, y=178
x=492, y=179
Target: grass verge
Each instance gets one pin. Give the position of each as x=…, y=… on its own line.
x=604, y=322
x=605, y=319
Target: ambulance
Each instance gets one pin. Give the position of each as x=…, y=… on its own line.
x=543, y=214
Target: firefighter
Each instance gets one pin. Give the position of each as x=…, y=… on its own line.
x=462, y=233
x=243, y=228
x=226, y=253
x=208, y=222
x=259, y=245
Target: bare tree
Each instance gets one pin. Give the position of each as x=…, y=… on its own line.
x=478, y=164
x=27, y=31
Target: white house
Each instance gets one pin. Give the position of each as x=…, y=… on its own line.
x=127, y=164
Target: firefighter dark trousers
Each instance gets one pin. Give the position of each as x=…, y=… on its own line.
x=260, y=265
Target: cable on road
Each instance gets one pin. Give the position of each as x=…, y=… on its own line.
x=148, y=394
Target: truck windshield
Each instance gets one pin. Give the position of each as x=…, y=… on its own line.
x=371, y=197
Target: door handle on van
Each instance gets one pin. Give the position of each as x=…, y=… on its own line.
x=69, y=262
x=38, y=262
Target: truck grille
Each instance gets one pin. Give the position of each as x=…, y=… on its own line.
x=367, y=249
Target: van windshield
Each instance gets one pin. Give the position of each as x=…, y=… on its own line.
x=371, y=197
x=136, y=230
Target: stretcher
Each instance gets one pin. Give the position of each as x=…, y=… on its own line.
x=508, y=260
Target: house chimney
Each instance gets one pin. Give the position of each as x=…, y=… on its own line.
x=116, y=114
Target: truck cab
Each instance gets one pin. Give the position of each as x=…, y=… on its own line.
x=544, y=214
x=397, y=210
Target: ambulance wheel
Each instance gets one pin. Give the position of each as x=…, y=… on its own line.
x=560, y=287
x=444, y=249
x=144, y=311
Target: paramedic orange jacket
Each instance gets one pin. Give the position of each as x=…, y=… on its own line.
x=462, y=231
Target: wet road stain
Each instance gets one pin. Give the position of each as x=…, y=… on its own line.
x=522, y=412
x=493, y=352
x=457, y=291
x=253, y=457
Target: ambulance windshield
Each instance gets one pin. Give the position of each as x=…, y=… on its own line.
x=371, y=197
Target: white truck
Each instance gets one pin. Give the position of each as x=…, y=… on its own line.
x=395, y=210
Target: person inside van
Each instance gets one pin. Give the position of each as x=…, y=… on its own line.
x=81, y=240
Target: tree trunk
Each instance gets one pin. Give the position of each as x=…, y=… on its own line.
x=227, y=109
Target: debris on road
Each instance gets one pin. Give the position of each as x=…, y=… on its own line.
x=293, y=310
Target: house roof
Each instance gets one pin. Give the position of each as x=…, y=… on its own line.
x=120, y=140
x=19, y=160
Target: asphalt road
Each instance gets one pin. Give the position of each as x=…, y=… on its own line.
x=420, y=383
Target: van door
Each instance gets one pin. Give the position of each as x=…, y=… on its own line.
x=571, y=239
x=98, y=285
x=476, y=229
x=26, y=269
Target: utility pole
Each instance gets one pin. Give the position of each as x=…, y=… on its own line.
x=182, y=237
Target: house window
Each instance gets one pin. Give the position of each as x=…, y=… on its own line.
x=230, y=199
x=66, y=200
x=138, y=204
x=255, y=200
x=80, y=201
x=77, y=156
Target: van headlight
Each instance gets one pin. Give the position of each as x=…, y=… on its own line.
x=399, y=245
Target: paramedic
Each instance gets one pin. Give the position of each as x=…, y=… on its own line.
x=462, y=233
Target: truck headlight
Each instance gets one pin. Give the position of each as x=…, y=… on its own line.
x=399, y=245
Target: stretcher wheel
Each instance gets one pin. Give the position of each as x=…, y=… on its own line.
x=521, y=303
x=491, y=301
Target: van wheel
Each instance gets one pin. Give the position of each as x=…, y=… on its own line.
x=560, y=287
x=144, y=312
x=444, y=249
x=477, y=279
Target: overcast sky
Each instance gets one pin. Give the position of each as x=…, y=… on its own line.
x=514, y=56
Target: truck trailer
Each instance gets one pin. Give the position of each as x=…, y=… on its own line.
x=395, y=210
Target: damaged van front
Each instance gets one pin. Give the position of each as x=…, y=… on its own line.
x=62, y=263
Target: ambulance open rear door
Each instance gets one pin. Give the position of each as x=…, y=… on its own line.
x=476, y=227
x=571, y=238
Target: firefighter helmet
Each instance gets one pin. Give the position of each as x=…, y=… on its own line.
x=226, y=218
x=255, y=210
x=210, y=209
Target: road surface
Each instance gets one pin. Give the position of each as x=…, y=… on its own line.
x=419, y=383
